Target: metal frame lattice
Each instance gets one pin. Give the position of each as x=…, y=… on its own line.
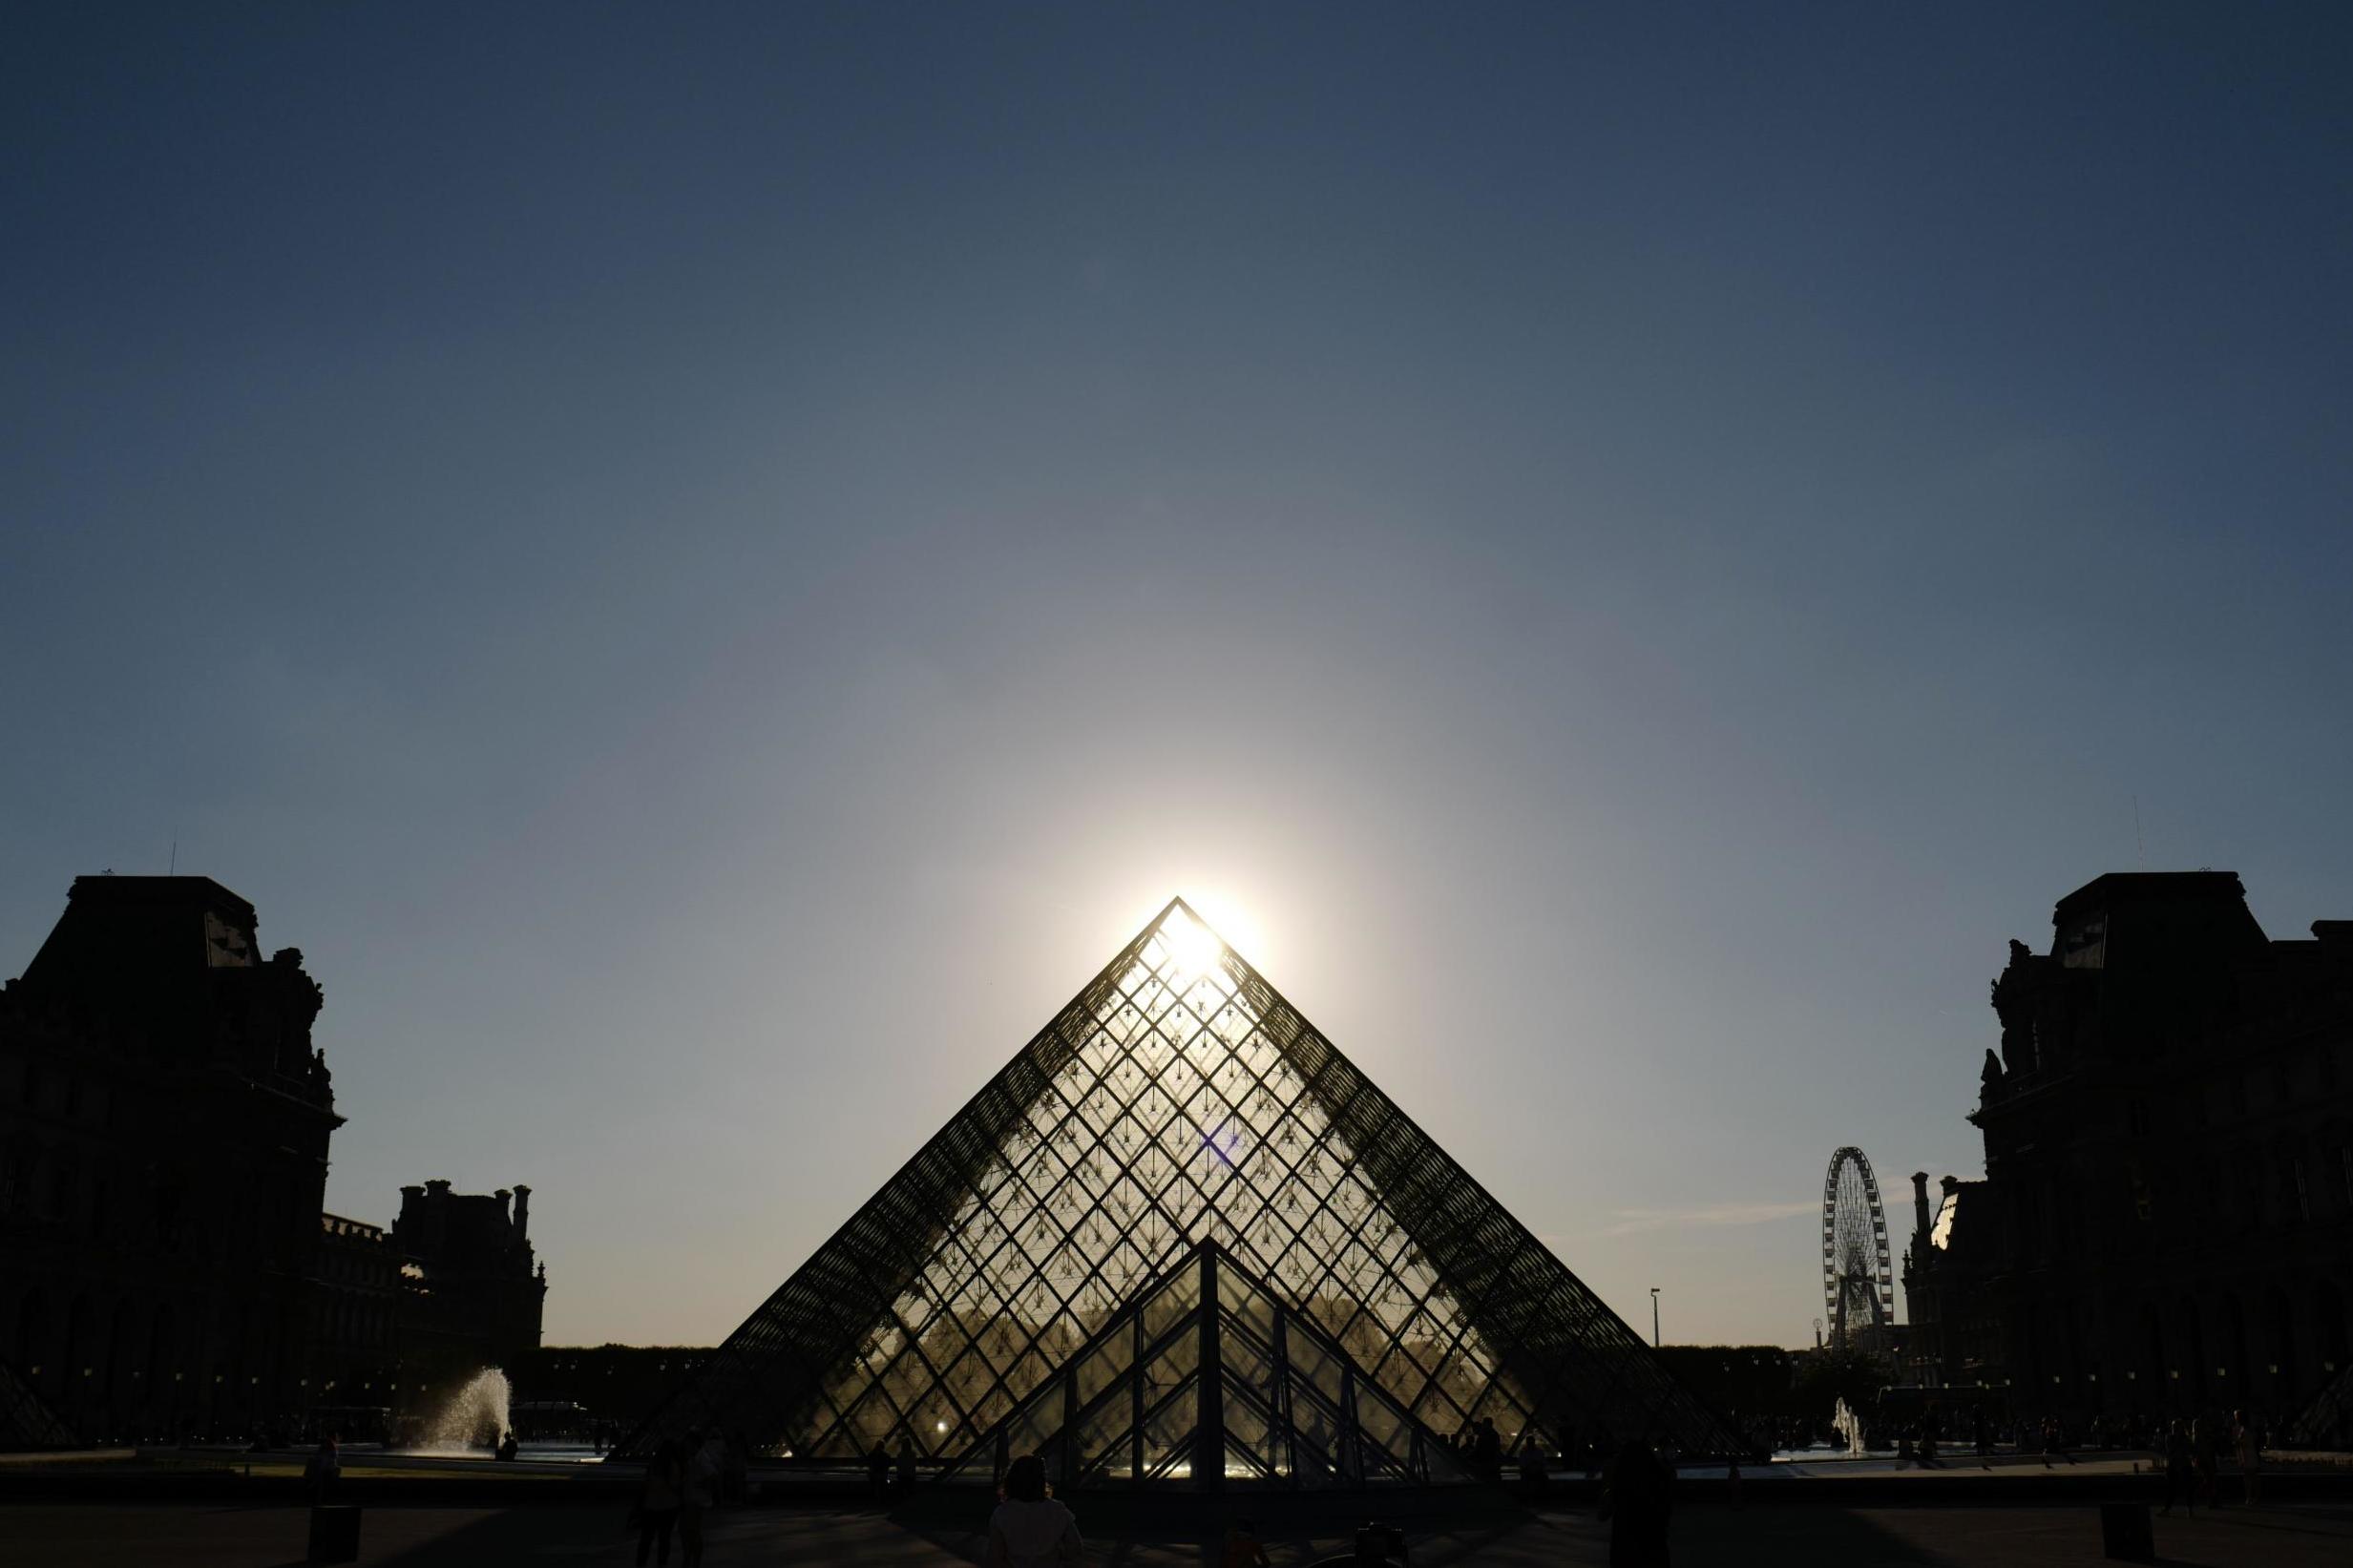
x=1177, y=1102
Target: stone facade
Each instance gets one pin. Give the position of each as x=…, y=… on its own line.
x=163, y=1133
x=474, y=1296
x=164, y=1120
x=2166, y=1221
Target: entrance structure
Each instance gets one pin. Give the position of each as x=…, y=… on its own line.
x=1180, y=1238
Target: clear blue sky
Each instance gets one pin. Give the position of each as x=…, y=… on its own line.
x=709, y=565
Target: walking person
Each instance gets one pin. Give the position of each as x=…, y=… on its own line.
x=2250, y=1455
x=657, y=1500
x=1030, y=1529
x=2178, y=1475
x=703, y=1461
x=2206, y=1457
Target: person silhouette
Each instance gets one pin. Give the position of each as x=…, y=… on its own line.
x=1635, y=1501
x=1030, y=1529
x=658, y=1500
x=1242, y=1548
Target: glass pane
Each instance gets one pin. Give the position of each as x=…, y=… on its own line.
x=1249, y=1427
x=1178, y=1297
x=1244, y=1364
x=1251, y=1309
x=1169, y=1434
x=1102, y=1439
x=1312, y=1366
x=1317, y=1430
x=1102, y=1364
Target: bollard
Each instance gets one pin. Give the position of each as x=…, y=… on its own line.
x=334, y=1533
x=2125, y=1532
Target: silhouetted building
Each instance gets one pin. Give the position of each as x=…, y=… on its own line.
x=474, y=1296
x=164, y=1121
x=1955, y=1335
x=163, y=1133
x=2166, y=1223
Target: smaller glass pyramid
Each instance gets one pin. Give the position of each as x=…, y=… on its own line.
x=1180, y=1192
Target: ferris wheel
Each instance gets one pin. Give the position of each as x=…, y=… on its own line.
x=1858, y=1287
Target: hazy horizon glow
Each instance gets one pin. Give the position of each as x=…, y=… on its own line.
x=710, y=567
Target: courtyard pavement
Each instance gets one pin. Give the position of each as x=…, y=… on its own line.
x=40, y=1536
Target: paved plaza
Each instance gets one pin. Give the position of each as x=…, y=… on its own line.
x=38, y=1536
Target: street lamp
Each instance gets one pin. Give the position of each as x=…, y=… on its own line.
x=1654, y=1317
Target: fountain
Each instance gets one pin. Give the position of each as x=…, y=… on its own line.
x=475, y=1415
x=1848, y=1425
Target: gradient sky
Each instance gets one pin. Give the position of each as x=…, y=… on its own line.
x=708, y=566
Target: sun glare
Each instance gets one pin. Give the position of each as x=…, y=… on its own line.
x=1191, y=949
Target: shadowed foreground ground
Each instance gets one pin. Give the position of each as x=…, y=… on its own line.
x=38, y=1534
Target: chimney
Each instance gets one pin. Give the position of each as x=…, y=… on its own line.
x=1920, y=1202
x=502, y=1195
x=522, y=1212
x=1950, y=1183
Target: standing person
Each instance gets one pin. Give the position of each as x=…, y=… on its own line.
x=1242, y=1548
x=2178, y=1470
x=1490, y=1450
x=1532, y=1476
x=702, y=1460
x=906, y=1465
x=1634, y=1500
x=658, y=1498
x=2250, y=1455
x=1029, y=1529
x=2206, y=1454
x=878, y=1471
x=325, y=1468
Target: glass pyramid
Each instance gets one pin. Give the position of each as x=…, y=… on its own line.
x=1178, y=1222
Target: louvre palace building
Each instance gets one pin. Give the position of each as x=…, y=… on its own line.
x=2165, y=1224
x=169, y=1269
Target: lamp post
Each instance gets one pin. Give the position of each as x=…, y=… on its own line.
x=1654, y=1317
